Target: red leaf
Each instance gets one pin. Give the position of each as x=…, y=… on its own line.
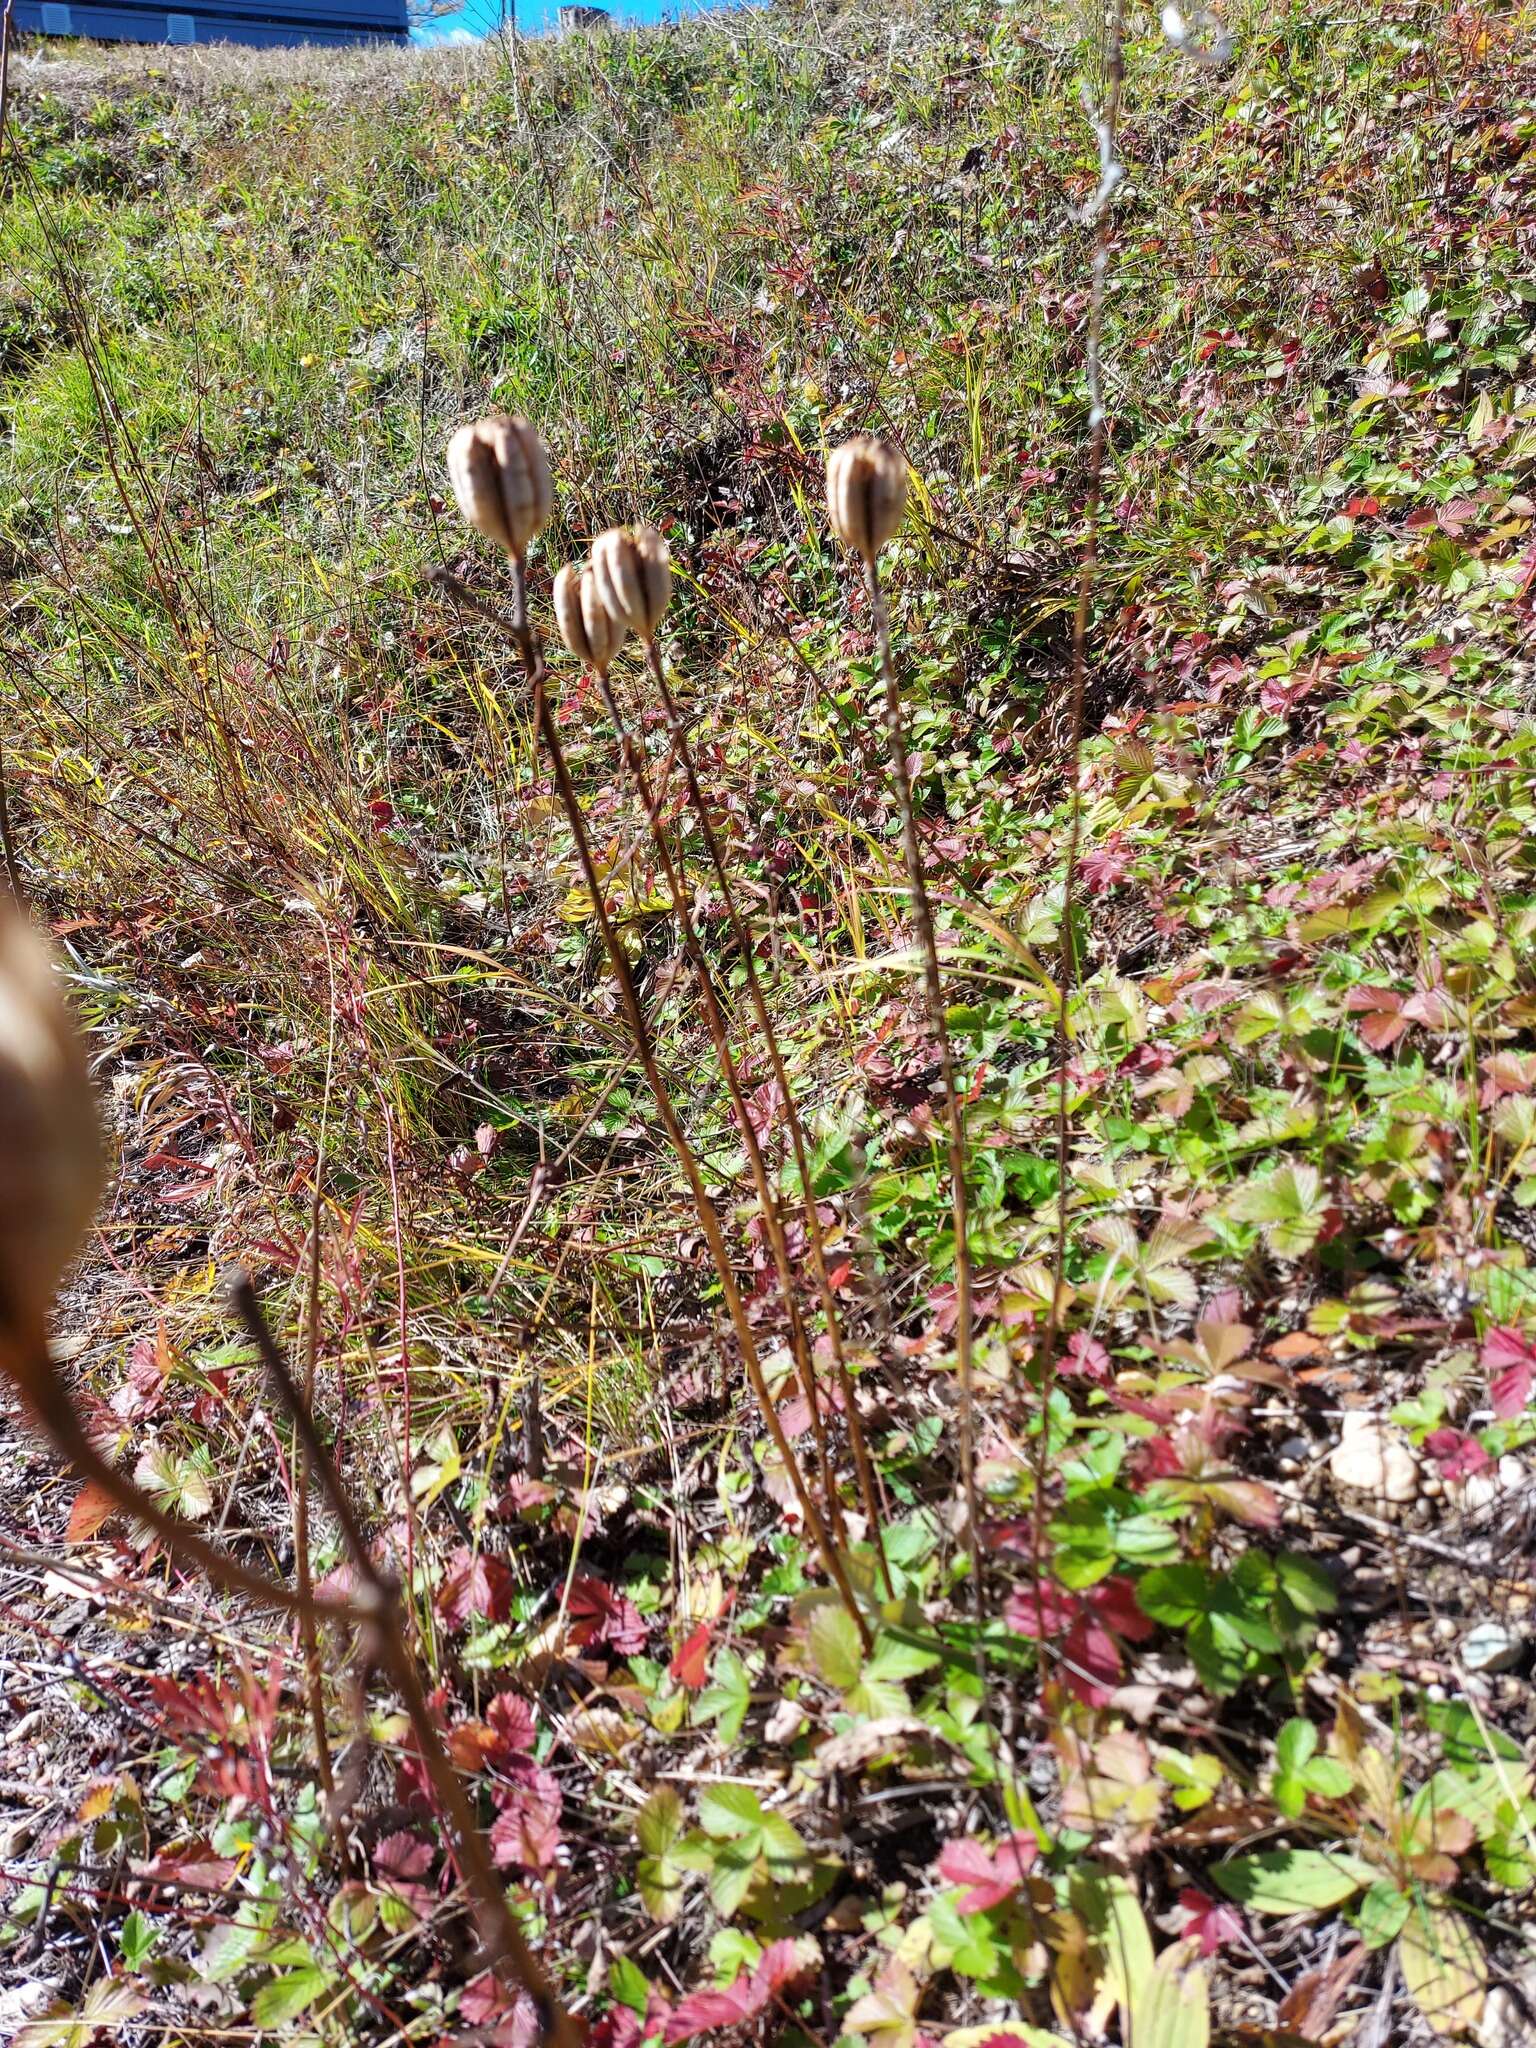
x=512, y=1718
x=1086, y=1355
x=1105, y=868
x=1211, y=1923
x=1510, y=1363
x=1114, y=1601
x=600, y=1615
x=502, y=2019
x=195, y=1865
x=690, y=1667
x=1041, y=1611
x=1091, y=1664
x=702, y=2011
x=1456, y=1456
x=477, y=1583
x=90, y=1508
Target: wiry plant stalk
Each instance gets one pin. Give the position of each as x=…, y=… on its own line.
x=714, y=1022
x=527, y=644
x=863, y=1463
x=384, y=1645
x=954, y=1123
x=50, y=1181
x=309, y=1634
x=1097, y=212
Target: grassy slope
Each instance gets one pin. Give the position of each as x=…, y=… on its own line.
x=284, y=805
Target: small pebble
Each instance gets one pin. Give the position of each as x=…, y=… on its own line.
x=1491, y=1647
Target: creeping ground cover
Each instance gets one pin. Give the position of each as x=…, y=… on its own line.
x=1107, y=1622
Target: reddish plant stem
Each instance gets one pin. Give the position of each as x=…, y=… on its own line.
x=714, y=1021
x=1098, y=442
x=954, y=1119
x=309, y=1635
x=863, y=1464
x=527, y=644
x=378, y=1606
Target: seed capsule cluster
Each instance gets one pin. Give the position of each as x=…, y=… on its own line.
x=500, y=476
x=588, y=628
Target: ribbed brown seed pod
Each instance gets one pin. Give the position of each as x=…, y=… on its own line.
x=866, y=493
x=587, y=627
x=633, y=575
x=50, y=1144
x=500, y=477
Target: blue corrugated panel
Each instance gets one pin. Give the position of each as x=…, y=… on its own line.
x=218, y=21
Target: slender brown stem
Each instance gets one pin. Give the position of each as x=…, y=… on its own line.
x=7, y=843
x=56, y=1413
x=863, y=1463
x=1098, y=442
x=922, y=918
x=527, y=644
x=715, y=1024
x=309, y=1635
x=379, y=1605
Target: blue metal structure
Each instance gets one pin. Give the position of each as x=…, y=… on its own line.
x=263, y=22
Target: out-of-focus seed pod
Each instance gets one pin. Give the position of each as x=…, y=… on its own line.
x=866, y=493
x=50, y=1143
x=587, y=627
x=633, y=575
x=500, y=477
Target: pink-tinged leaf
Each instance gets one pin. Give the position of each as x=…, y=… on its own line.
x=511, y=1719
x=1210, y=1922
x=1430, y=1006
x=1114, y=1602
x=1506, y=1073
x=1381, y=1014
x=502, y=2019
x=524, y=1496
x=1086, y=1355
x=1510, y=1363
x=988, y=1877
x=403, y=1855
x=1040, y=1612
x=701, y=2012
x=478, y=1583
x=195, y=1864
x=526, y=1830
x=598, y=1615
x=1456, y=1455
x=781, y=1963
x=1091, y=1664
x=1246, y=1500
x=1104, y=868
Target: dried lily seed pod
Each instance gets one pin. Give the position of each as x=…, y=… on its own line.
x=866, y=493
x=500, y=477
x=633, y=574
x=50, y=1143
x=587, y=627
